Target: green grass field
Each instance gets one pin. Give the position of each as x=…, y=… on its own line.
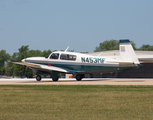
x=76, y=102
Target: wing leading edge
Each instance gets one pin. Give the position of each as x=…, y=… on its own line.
x=43, y=67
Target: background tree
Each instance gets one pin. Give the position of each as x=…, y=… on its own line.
x=107, y=45
x=46, y=52
x=133, y=45
x=110, y=45
x=20, y=70
x=4, y=57
x=34, y=53
x=146, y=47
x=24, y=52
x=10, y=66
x=9, y=69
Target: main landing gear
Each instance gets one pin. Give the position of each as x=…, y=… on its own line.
x=55, y=79
x=79, y=77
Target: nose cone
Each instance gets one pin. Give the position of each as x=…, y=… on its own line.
x=23, y=60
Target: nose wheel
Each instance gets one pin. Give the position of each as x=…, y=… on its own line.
x=38, y=78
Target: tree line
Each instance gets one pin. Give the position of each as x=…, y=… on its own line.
x=114, y=45
x=10, y=69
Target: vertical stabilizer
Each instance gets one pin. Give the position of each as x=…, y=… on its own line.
x=127, y=53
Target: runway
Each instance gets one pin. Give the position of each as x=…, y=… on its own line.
x=72, y=81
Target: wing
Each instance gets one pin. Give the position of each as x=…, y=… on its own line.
x=41, y=67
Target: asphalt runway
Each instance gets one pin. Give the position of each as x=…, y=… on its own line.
x=72, y=81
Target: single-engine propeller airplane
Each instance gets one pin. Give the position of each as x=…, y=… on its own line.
x=80, y=64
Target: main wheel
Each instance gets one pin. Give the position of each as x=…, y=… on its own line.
x=55, y=79
x=78, y=77
x=38, y=78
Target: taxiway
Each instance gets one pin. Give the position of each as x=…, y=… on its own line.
x=72, y=81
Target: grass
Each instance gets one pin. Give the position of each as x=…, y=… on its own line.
x=76, y=102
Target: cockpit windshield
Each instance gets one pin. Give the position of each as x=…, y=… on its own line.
x=47, y=56
x=54, y=56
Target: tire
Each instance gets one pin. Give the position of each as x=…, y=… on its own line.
x=38, y=78
x=55, y=79
x=78, y=77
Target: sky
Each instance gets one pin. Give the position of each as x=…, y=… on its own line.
x=80, y=24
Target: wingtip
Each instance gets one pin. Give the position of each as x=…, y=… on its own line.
x=13, y=61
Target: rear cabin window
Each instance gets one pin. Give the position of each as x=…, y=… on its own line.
x=67, y=57
x=54, y=56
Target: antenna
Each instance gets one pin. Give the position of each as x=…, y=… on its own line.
x=66, y=49
x=100, y=54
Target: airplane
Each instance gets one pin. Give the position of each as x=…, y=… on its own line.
x=80, y=64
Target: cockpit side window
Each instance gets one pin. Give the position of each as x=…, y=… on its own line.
x=54, y=56
x=68, y=57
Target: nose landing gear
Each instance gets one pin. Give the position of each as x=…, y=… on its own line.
x=38, y=78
